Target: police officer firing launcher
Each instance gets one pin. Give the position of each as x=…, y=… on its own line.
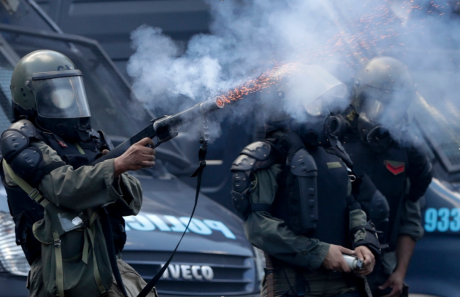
x=390, y=164
x=295, y=191
x=68, y=214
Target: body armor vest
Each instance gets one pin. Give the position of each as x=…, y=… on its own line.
x=332, y=193
x=26, y=212
x=388, y=172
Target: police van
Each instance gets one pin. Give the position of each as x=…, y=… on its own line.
x=214, y=259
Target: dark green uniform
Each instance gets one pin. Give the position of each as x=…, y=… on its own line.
x=272, y=216
x=402, y=174
x=271, y=235
x=68, y=214
x=86, y=188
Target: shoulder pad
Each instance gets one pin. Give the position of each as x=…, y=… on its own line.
x=26, y=127
x=303, y=164
x=16, y=138
x=258, y=150
x=26, y=162
x=12, y=143
x=255, y=156
x=243, y=163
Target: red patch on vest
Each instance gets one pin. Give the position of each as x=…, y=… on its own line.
x=62, y=143
x=395, y=167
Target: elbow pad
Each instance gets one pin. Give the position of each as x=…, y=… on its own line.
x=25, y=160
x=368, y=236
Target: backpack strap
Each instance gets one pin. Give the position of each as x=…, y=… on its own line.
x=59, y=264
x=90, y=235
x=33, y=193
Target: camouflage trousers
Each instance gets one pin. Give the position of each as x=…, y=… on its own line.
x=131, y=279
x=321, y=283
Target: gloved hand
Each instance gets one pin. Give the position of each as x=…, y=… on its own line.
x=291, y=144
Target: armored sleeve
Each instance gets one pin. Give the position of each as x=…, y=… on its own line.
x=271, y=234
x=87, y=186
x=411, y=220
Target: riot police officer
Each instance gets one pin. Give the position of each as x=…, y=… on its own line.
x=294, y=191
x=390, y=162
x=68, y=214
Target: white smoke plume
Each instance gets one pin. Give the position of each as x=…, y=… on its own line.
x=250, y=37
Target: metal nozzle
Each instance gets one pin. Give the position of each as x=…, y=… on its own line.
x=353, y=262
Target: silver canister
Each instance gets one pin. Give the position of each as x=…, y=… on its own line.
x=353, y=262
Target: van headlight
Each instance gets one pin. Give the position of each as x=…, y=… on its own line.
x=260, y=263
x=12, y=258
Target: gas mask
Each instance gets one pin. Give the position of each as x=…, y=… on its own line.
x=321, y=129
x=384, y=90
x=62, y=107
x=374, y=134
x=383, y=121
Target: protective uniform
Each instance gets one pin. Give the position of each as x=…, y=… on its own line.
x=396, y=169
x=294, y=191
x=49, y=148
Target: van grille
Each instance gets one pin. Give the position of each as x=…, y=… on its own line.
x=231, y=275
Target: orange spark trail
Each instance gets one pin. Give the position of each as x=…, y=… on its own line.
x=372, y=28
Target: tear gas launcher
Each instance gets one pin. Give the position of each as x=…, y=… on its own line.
x=164, y=128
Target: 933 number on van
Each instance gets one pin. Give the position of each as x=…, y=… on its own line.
x=442, y=219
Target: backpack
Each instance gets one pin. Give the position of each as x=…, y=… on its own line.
x=75, y=261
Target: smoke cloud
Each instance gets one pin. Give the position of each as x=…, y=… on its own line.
x=250, y=38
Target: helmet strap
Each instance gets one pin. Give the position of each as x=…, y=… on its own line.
x=20, y=112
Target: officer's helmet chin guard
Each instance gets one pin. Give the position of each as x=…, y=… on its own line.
x=59, y=94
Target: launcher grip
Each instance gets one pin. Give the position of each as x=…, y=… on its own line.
x=164, y=128
x=124, y=146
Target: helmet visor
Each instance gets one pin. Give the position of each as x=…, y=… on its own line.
x=386, y=111
x=60, y=95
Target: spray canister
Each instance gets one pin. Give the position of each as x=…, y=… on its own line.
x=353, y=262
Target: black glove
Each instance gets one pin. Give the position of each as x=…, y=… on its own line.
x=368, y=237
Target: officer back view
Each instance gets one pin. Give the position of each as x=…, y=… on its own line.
x=389, y=163
x=294, y=191
x=68, y=214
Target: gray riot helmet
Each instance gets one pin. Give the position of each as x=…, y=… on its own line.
x=303, y=101
x=45, y=86
x=383, y=92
